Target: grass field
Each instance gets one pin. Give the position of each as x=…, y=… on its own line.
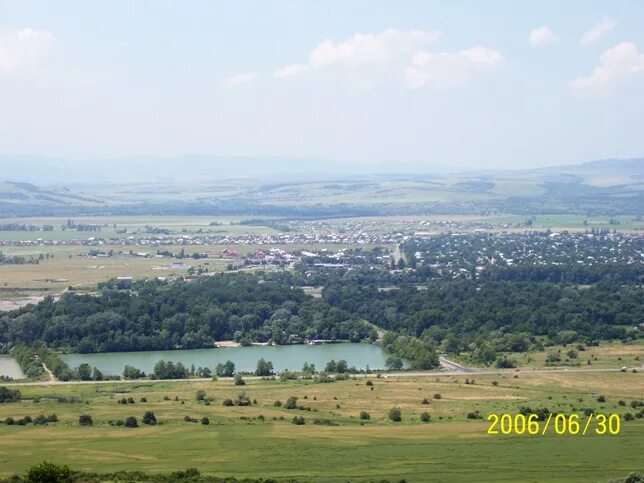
x=450, y=448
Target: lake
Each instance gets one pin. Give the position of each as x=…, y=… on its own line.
x=283, y=357
x=9, y=367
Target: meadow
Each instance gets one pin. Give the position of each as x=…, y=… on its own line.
x=237, y=442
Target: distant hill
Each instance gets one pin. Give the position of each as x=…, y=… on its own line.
x=211, y=186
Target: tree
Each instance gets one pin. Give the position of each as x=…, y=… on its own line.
x=131, y=422
x=85, y=420
x=205, y=420
x=264, y=368
x=97, y=375
x=131, y=372
x=239, y=380
x=425, y=417
x=84, y=372
x=394, y=363
x=395, y=414
x=9, y=395
x=227, y=369
x=47, y=472
x=341, y=367
x=149, y=418
x=201, y=395
x=364, y=415
x=330, y=366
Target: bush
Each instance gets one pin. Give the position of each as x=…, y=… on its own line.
x=277, y=404
x=201, y=395
x=425, y=417
x=628, y=417
x=9, y=421
x=47, y=472
x=299, y=420
x=149, y=418
x=505, y=363
x=474, y=415
x=437, y=396
x=364, y=415
x=52, y=418
x=40, y=420
x=601, y=399
x=228, y=402
x=131, y=422
x=205, y=420
x=9, y=395
x=369, y=383
x=291, y=403
x=395, y=414
x=144, y=399
x=425, y=402
x=85, y=420
x=239, y=380
x=242, y=400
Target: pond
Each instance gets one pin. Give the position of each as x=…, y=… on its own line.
x=9, y=367
x=283, y=357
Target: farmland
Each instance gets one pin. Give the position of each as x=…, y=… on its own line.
x=237, y=442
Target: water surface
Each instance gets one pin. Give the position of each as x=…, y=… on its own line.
x=9, y=367
x=283, y=357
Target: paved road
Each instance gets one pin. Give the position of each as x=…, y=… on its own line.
x=453, y=366
x=451, y=373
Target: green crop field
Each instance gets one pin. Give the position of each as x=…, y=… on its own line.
x=449, y=448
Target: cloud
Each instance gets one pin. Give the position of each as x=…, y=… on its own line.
x=23, y=48
x=290, y=71
x=542, y=36
x=450, y=68
x=602, y=27
x=361, y=49
x=617, y=64
x=369, y=48
x=241, y=78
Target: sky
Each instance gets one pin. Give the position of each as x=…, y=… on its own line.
x=494, y=84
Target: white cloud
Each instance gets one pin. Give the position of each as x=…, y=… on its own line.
x=362, y=49
x=242, y=78
x=369, y=48
x=23, y=48
x=616, y=65
x=602, y=27
x=450, y=68
x=542, y=36
x=289, y=71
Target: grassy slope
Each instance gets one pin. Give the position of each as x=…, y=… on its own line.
x=444, y=450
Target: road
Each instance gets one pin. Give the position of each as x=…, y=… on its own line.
x=452, y=373
x=454, y=366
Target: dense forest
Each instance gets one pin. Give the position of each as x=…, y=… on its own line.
x=467, y=309
x=163, y=315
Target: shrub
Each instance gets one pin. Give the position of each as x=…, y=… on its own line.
x=239, y=380
x=364, y=415
x=425, y=402
x=601, y=399
x=144, y=399
x=621, y=402
x=149, y=418
x=85, y=420
x=40, y=420
x=131, y=422
x=291, y=403
x=437, y=396
x=47, y=472
x=242, y=400
x=9, y=395
x=628, y=417
x=9, y=421
x=277, y=404
x=205, y=420
x=395, y=414
x=474, y=415
x=228, y=402
x=425, y=417
x=299, y=420
x=130, y=400
x=369, y=383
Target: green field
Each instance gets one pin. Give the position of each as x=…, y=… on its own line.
x=449, y=448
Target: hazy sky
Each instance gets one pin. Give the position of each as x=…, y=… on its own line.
x=485, y=84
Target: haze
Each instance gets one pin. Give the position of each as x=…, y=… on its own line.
x=459, y=84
